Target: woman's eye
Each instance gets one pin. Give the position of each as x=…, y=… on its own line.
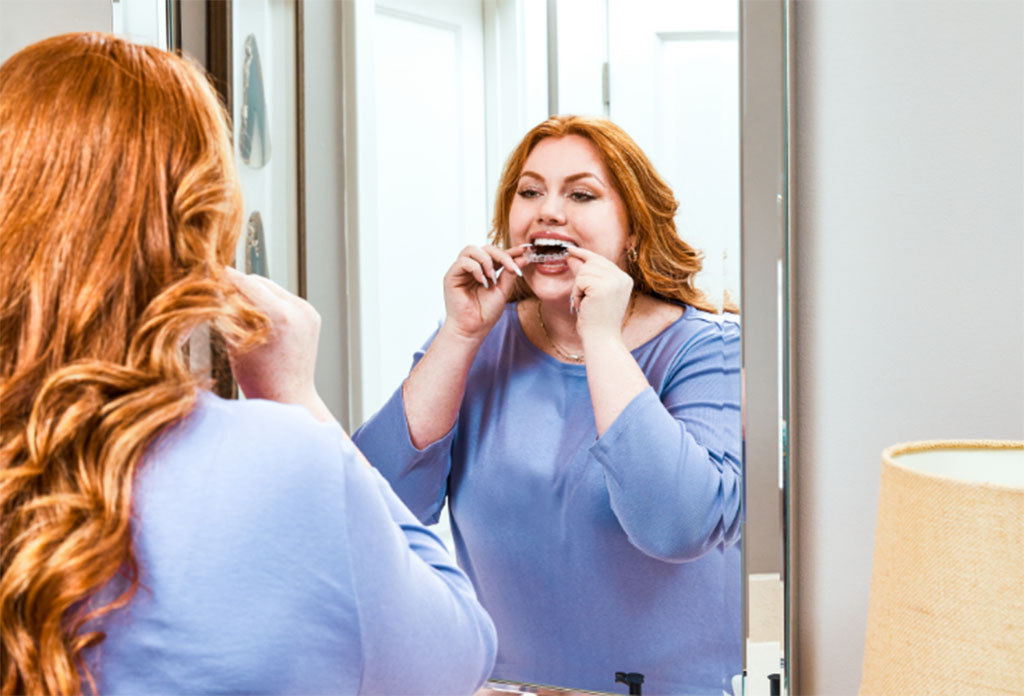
x=582, y=196
x=529, y=193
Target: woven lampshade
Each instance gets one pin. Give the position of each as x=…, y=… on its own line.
x=946, y=612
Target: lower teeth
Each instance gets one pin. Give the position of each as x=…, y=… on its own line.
x=545, y=258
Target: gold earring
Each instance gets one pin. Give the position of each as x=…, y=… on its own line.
x=632, y=254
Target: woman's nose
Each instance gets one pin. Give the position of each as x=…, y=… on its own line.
x=551, y=210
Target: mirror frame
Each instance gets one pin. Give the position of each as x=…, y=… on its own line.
x=765, y=284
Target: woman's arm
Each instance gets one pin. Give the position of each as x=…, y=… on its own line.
x=601, y=292
x=418, y=475
x=423, y=630
x=672, y=458
x=330, y=528
x=409, y=439
x=433, y=391
x=474, y=296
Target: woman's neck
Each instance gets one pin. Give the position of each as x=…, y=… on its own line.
x=559, y=324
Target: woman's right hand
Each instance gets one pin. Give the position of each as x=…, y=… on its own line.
x=475, y=292
x=282, y=368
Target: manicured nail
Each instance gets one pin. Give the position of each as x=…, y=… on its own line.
x=518, y=270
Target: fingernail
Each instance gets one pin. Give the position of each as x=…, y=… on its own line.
x=572, y=305
x=518, y=270
x=485, y=283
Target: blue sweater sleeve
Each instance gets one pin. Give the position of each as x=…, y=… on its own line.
x=423, y=630
x=418, y=476
x=672, y=459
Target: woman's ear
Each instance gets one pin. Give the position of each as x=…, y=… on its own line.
x=631, y=248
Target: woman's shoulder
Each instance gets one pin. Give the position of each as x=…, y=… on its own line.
x=269, y=425
x=676, y=319
x=694, y=322
x=689, y=334
x=248, y=452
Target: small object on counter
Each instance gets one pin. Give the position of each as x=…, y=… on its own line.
x=631, y=679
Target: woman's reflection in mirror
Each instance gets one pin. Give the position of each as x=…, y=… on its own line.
x=579, y=409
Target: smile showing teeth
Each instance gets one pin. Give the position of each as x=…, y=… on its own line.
x=547, y=250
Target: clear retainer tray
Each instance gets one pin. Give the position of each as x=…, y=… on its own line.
x=547, y=250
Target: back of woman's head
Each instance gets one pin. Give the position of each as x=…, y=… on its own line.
x=664, y=265
x=119, y=205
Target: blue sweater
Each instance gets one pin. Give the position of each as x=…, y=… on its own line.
x=593, y=555
x=272, y=561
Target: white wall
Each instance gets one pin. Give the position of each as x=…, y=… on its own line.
x=909, y=260
x=23, y=22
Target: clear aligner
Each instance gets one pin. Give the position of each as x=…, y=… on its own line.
x=547, y=250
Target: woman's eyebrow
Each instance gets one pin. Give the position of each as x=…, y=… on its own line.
x=583, y=175
x=569, y=179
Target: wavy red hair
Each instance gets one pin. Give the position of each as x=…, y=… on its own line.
x=119, y=207
x=665, y=265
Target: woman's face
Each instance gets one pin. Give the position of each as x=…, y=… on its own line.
x=565, y=192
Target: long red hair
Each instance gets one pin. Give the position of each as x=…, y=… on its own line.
x=665, y=266
x=119, y=206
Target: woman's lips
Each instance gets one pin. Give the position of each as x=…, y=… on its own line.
x=553, y=268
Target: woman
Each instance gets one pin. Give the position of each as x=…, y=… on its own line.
x=156, y=538
x=580, y=410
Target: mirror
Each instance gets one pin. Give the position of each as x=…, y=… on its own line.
x=407, y=111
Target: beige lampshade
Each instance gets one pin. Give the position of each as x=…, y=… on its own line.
x=946, y=612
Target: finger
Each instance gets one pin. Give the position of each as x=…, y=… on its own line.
x=583, y=254
x=576, y=297
x=467, y=267
x=504, y=258
x=253, y=280
x=253, y=289
x=507, y=281
x=483, y=258
x=575, y=264
x=262, y=292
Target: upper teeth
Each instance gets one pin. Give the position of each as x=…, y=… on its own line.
x=547, y=241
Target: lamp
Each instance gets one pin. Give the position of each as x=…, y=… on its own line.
x=946, y=611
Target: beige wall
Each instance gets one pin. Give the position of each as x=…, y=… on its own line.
x=909, y=258
x=23, y=22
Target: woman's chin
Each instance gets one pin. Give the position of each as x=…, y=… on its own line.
x=548, y=285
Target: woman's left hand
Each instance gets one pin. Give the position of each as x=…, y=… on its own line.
x=600, y=294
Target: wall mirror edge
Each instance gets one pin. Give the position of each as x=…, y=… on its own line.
x=765, y=273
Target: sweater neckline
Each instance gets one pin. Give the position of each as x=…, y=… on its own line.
x=581, y=368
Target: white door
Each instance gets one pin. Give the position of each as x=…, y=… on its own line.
x=684, y=113
x=421, y=181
